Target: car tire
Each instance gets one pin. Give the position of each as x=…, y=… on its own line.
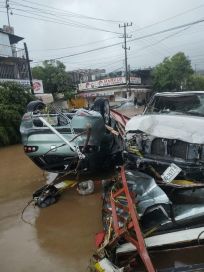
x=35, y=105
x=102, y=106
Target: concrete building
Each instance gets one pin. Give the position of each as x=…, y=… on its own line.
x=144, y=74
x=116, y=90
x=13, y=63
x=86, y=75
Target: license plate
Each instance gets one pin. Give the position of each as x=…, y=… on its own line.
x=170, y=173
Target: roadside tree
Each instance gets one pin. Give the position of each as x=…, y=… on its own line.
x=55, y=77
x=173, y=73
x=13, y=101
x=196, y=83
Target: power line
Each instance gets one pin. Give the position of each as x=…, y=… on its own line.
x=84, y=52
x=42, y=12
x=74, y=14
x=87, y=44
x=73, y=46
x=132, y=54
x=47, y=11
x=96, y=63
x=141, y=49
x=168, y=29
x=61, y=22
x=161, y=40
x=135, y=39
x=169, y=18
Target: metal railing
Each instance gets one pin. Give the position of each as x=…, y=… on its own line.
x=11, y=51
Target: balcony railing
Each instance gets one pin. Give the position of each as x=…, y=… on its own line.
x=11, y=51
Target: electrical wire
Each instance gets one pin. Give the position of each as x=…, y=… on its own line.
x=137, y=50
x=95, y=60
x=167, y=19
x=61, y=22
x=22, y=213
x=62, y=14
x=54, y=14
x=144, y=37
x=135, y=39
x=73, y=46
x=43, y=11
x=161, y=40
x=73, y=14
x=168, y=30
x=54, y=20
x=154, y=34
x=81, y=53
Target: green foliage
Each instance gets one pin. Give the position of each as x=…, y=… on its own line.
x=54, y=76
x=69, y=94
x=13, y=101
x=172, y=74
x=115, y=74
x=196, y=83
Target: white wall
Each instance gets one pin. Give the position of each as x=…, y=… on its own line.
x=5, y=48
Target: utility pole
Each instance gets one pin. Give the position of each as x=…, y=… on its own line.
x=125, y=36
x=29, y=70
x=7, y=10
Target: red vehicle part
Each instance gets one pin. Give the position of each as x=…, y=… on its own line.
x=121, y=121
x=131, y=232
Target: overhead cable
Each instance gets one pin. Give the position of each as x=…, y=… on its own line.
x=167, y=19
x=72, y=13
x=135, y=39
x=61, y=22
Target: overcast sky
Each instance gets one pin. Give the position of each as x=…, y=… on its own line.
x=151, y=16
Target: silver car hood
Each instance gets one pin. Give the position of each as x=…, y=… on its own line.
x=185, y=128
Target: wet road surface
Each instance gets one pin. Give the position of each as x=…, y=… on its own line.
x=61, y=237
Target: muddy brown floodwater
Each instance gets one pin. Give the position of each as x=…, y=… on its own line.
x=61, y=237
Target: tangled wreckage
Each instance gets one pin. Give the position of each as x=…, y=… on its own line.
x=155, y=200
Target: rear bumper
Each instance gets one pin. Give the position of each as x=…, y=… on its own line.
x=54, y=163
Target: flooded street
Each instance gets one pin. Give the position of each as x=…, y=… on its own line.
x=60, y=238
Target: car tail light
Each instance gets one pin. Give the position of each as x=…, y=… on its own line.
x=26, y=116
x=29, y=149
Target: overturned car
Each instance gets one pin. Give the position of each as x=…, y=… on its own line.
x=169, y=131
x=64, y=141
